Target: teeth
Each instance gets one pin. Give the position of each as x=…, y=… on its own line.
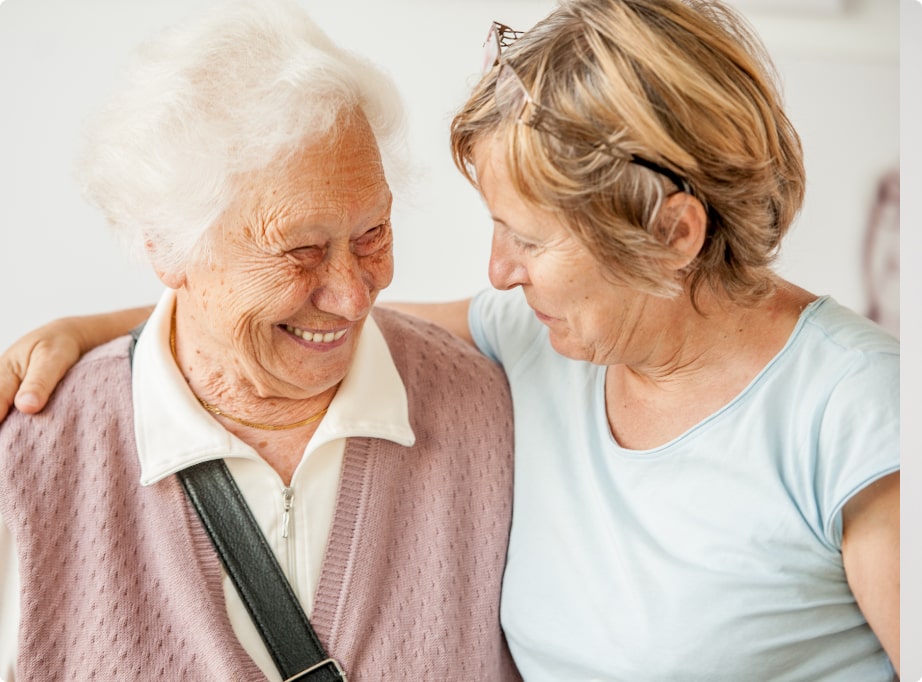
x=314, y=337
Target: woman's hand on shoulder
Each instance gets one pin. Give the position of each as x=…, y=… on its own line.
x=34, y=365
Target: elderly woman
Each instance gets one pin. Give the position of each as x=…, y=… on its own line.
x=373, y=451
x=707, y=469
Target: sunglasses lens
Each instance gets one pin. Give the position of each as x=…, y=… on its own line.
x=510, y=94
x=491, y=50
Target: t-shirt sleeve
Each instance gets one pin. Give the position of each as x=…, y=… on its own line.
x=502, y=325
x=859, y=436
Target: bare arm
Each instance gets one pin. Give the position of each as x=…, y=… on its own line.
x=452, y=315
x=32, y=367
x=871, y=554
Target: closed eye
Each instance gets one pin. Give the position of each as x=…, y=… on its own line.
x=523, y=244
x=306, y=256
x=516, y=240
x=371, y=240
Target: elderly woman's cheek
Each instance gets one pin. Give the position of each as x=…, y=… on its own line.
x=272, y=292
x=380, y=268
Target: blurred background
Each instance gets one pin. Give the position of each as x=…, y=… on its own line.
x=840, y=68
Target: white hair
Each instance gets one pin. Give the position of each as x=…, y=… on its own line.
x=225, y=93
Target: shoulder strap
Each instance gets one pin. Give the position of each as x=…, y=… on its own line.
x=259, y=579
x=248, y=560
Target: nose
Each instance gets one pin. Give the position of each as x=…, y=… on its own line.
x=506, y=270
x=346, y=288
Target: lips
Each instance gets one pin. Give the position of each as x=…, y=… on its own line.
x=315, y=336
x=541, y=316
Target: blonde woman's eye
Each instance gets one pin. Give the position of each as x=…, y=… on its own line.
x=524, y=245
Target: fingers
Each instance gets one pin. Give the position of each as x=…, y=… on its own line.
x=46, y=366
x=31, y=401
x=9, y=383
x=33, y=366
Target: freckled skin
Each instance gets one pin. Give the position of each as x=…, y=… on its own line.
x=669, y=366
x=307, y=243
x=589, y=317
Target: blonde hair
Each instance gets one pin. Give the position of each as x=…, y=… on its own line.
x=221, y=94
x=686, y=85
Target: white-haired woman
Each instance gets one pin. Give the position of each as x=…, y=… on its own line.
x=707, y=468
x=374, y=452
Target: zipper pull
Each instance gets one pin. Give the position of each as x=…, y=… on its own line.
x=287, y=495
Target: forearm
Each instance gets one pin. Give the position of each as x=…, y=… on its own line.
x=35, y=363
x=452, y=315
x=94, y=330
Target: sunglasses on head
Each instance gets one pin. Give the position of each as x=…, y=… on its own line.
x=511, y=96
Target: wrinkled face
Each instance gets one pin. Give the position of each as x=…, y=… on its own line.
x=589, y=317
x=299, y=257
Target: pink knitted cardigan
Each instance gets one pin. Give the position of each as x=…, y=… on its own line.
x=120, y=582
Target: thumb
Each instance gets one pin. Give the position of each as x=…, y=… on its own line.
x=31, y=368
x=47, y=364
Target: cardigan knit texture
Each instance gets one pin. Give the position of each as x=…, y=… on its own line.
x=120, y=582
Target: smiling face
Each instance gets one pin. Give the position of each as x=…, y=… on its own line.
x=589, y=316
x=300, y=256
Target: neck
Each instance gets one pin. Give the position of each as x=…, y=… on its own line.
x=688, y=342
x=277, y=428
x=696, y=364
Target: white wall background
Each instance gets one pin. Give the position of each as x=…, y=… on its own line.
x=839, y=61
x=58, y=59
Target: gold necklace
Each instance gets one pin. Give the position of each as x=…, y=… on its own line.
x=214, y=409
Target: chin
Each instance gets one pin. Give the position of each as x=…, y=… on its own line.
x=566, y=348
x=306, y=378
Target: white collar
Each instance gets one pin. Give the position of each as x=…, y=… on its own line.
x=174, y=432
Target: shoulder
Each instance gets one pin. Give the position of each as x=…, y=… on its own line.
x=408, y=335
x=82, y=432
x=97, y=387
x=504, y=327
x=848, y=371
x=850, y=332
x=104, y=369
x=835, y=351
x=507, y=310
x=843, y=363
x=423, y=351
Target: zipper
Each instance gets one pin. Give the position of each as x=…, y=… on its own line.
x=287, y=498
x=288, y=539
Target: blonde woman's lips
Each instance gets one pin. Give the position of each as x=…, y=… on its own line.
x=541, y=316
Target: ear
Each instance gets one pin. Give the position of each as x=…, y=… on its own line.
x=171, y=277
x=683, y=225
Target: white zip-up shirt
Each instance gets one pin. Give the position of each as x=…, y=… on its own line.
x=173, y=432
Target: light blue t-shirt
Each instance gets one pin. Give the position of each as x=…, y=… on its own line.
x=716, y=556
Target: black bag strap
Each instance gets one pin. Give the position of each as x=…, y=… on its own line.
x=248, y=560
x=276, y=612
